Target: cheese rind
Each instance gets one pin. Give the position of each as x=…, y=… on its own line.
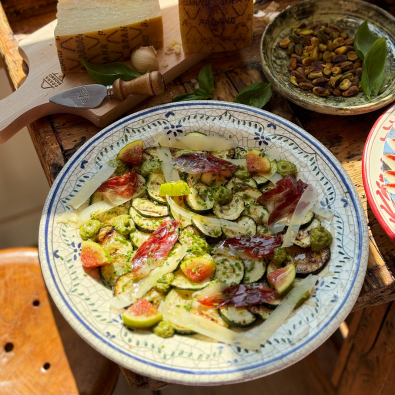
x=216, y=25
x=78, y=36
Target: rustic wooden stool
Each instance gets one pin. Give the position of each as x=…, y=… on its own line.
x=40, y=353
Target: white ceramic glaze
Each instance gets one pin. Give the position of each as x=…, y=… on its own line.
x=195, y=360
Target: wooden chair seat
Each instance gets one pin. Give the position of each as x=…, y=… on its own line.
x=39, y=352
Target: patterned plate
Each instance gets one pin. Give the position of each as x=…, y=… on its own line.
x=195, y=360
x=373, y=181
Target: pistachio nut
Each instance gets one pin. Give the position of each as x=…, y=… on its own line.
x=306, y=86
x=352, y=91
x=357, y=64
x=309, y=69
x=305, y=55
x=355, y=81
x=307, y=61
x=300, y=70
x=285, y=42
x=347, y=76
x=359, y=72
x=322, y=47
x=301, y=25
x=338, y=42
x=294, y=38
x=291, y=48
x=345, y=66
x=330, y=45
x=335, y=80
x=299, y=49
x=320, y=81
x=336, y=70
x=327, y=57
x=297, y=57
x=309, y=49
x=360, y=86
x=299, y=77
x=330, y=65
x=345, y=84
x=315, y=42
x=327, y=71
x=341, y=50
x=315, y=53
x=293, y=81
x=318, y=65
x=344, y=35
x=349, y=41
x=320, y=55
x=292, y=64
x=321, y=36
x=330, y=30
x=352, y=55
x=336, y=28
x=337, y=92
x=339, y=58
x=321, y=91
x=314, y=74
x=306, y=32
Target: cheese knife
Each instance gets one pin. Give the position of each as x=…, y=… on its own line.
x=91, y=96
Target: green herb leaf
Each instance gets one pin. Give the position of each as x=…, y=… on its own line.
x=255, y=95
x=363, y=40
x=106, y=74
x=206, y=86
x=373, y=67
x=206, y=80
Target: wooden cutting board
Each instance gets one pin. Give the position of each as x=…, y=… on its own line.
x=45, y=79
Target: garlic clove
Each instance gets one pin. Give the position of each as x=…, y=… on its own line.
x=145, y=59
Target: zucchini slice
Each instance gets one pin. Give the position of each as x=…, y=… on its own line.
x=308, y=219
x=238, y=185
x=96, y=197
x=107, y=217
x=215, y=179
x=154, y=297
x=249, y=195
x=149, y=209
x=245, y=220
x=119, y=266
x=262, y=230
x=267, y=187
x=147, y=225
x=125, y=283
x=240, y=153
x=234, y=316
x=258, y=213
x=229, y=270
x=192, y=179
x=224, y=154
x=260, y=180
x=155, y=180
x=230, y=211
x=303, y=237
x=254, y=270
x=176, y=299
x=307, y=261
x=138, y=238
x=261, y=310
x=183, y=283
x=210, y=231
x=200, y=200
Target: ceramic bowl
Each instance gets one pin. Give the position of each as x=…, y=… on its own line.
x=348, y=15
x=195, y=360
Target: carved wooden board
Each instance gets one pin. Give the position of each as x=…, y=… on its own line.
x=31, y=101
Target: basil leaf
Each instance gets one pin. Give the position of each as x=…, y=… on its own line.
x=373, y=67
x=206, y=79
x=255, y=95
x=106, y=74
x=363, y=40
x=189, y=96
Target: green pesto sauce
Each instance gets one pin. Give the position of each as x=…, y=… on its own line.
x=280, y=255
x=120, y=167
x=222, y=195
x=90, y=229
x=150, y=166
x=124, y=225
x=163, y=284
x=164, y=329
x=242, y=173
x=320, y=238
x=284, y=167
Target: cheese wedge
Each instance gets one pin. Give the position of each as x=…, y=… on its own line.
x=104, y=31
x=215, y=25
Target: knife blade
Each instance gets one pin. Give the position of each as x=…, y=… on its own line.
x=91, y=96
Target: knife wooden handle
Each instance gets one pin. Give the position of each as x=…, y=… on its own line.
x=151, y=84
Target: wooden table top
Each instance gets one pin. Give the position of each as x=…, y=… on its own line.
x=57, y=137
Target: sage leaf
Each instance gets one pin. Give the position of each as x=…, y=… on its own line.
x=373, y=67
x=363, y=40
x=106, y=74
x=206, y=86
x=255, y=95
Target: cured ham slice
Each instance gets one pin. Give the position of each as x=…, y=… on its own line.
x=155, y=249
x=201, y=163
x=242, y=295
x=123, y=186
x=282, y=200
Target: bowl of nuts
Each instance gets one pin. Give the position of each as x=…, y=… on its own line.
x=313, y=54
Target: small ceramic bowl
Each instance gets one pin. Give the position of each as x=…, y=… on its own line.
x=348, y=15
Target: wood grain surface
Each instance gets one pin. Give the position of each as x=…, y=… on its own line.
x=40, y=352
x=58, y=136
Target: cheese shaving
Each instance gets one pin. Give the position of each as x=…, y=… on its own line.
x=91, y=185
x=306, y=202
x=204, y=326
x=324, y=212
x=266, y=330
x=209, y=221
x=196, y=142
x=238, y=162
x=145, y=284
x=165, y=157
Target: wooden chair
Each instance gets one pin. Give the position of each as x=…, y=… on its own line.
x=39, y=352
